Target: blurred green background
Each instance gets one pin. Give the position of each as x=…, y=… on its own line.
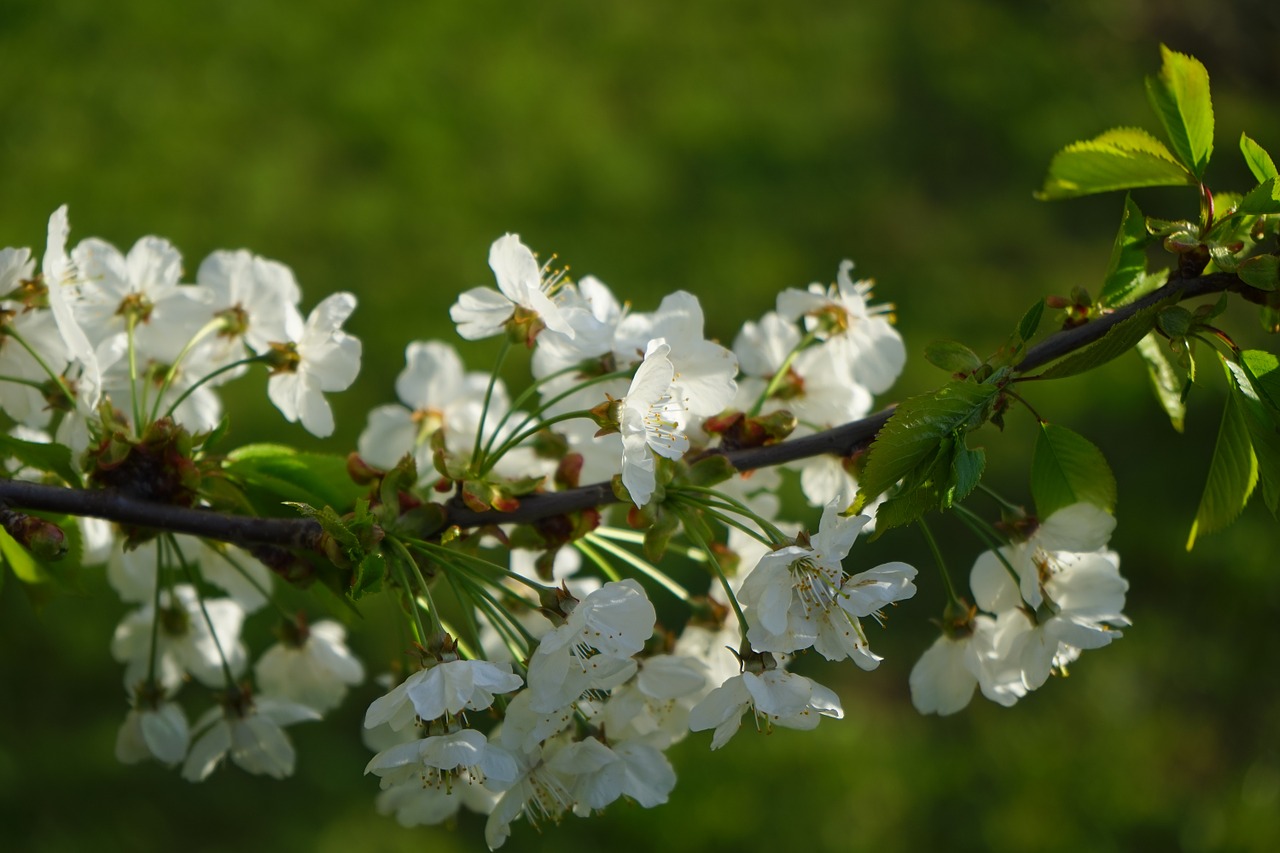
x=732, y=149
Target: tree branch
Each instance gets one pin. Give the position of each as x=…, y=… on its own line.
x=303, y=533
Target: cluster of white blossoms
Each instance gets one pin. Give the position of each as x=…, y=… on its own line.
x=111, y=354
x=547, y=684
x=1043, y=600
x=98, y=324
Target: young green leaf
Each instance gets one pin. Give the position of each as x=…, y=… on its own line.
x=1263, y=421
x=1119, y=159
x=1257, y=158
x=952, y=356
x=1118, y=340
x=1030, y=321
x=1263, y=369
x=913, y=434
x=1180, y=96
x=1262, y=199
x=1067, y=469
x=1233, y=472
x=1261, y=271
x=1164, y=379
x=1128, y=264
x=50, y=458
x=286, y=474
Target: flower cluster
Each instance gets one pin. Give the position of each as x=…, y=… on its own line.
x=113, y=355
x=100, y=325
x=545, y=684
x=1044, y=600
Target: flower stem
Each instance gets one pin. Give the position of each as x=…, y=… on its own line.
x=189, y=571
x=221, y=370
x=693, y=534
x=775, y=381
x=952, y=598
x=212, y=326
x=476, y=458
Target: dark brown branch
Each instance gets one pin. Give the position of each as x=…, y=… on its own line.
x=302, y=533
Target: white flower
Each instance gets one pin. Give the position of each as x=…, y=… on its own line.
x=159, y=733
x=252, y=732
x=799, y=595
x=651, y=421
x=654, y=706
x=416, y=804
x=437, y=394
x=115, y=286
x=942, y=681
x=703, y=371
x=869, y=344
x=593, y=649
x=483, y=312
x=1075, y=529
x=775, y=697
x=257, y=298
x=315, y=672
x=64, y=288
x=439, y=760
x=184, y=642
x=448, y=687
x=325, y=358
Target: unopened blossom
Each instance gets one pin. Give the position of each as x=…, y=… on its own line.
x=652, y=421
x=775, y=697
x=251, y=731
x=313, y=668
x=324, y=358
x=448, y=687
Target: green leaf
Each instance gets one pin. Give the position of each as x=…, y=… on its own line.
x=1067, y=469
x=368, y=575
x=285, y=474
x=1257, y=158
x=1180, y=95
x=1233, y=472
x=952, y=356
x=1164, y=379
x=1119, y=159
x=912, y=436
x=1262, y=199
x=1263, y=422
x=1118, y=340
x=24, y=566
x=1030, y=321
x=1263, y=369
x=966, y=472
x=1261, y=271
x=50, y=458
x=1127, y=267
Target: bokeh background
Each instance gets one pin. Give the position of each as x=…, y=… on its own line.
x=732, y=149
